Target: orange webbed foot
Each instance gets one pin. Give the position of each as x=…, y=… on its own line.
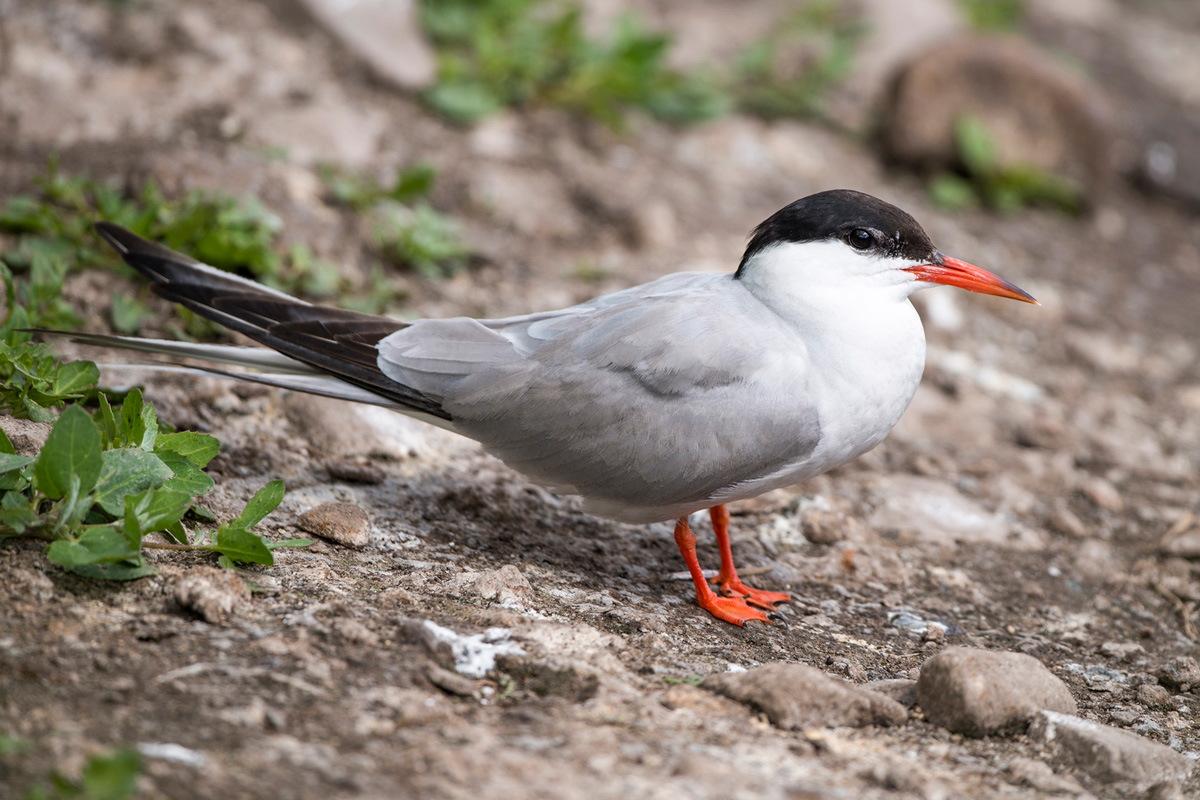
x=733, y=609
x=733, y=587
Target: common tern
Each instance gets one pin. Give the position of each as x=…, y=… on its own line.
x=683, y=394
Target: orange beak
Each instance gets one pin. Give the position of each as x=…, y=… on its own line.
x=952, y=272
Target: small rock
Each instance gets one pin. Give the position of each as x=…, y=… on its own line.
x=385, y=34
x=1038, y=775
x=1185, y=545
x=1121, y=650
x=1154, y=696
x=902, y=690
x=1064, y=520
x=1181, y=674
x=1104, y=495
x=343, y=523
x=354, y=631
x=795, y=697
x=355, y=471
x=506, y=586
x=27, y=436
x=1039, y=113
x=1107, y=755
x=212, y=593
x=979, y=692
x=451, y=682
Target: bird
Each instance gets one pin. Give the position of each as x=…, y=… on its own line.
x=652, y=403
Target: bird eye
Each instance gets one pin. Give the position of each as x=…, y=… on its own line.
x=860, y=239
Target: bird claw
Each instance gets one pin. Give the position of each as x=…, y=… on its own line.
x=733, y=587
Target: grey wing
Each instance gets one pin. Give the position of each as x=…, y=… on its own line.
x=658, y=396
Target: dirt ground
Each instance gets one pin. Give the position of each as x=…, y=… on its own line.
x=1038, y=496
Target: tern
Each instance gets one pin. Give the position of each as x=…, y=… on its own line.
x=679, y=395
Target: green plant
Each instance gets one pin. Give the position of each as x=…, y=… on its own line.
x=419, y=237
x=108, y=776
x=499, y=53
x=53, y=235
x=789, y=71
x=993, y=15
x=100, y=484
x=404, y=227
x=1001, y=187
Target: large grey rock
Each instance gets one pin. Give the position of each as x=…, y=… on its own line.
x=386, y=34
x=27, y=436
x=794, y=697
x=1107, y=755
x=979, y=692
x=1039, y=113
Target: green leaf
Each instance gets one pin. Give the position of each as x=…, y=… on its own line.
x=241, y=546
x=95, y=546
x=10, y=461
x=186, y=477
x=119, y=571
x=264, y=502
x=6, y=445
x=176, y=531
x=976, y=147
x=126, y=471
x=107, y=422
x=463, y=102
x=72, y=448
x=131, y=425
x=74, y=378
x=149, y=428
x=289, y=543
x=155, y=510
x=111, y=777
x=952, y=192
x=127, y=313
x=199, y=448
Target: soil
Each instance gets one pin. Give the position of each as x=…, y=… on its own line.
x=1038, y=496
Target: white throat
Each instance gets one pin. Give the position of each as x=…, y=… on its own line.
x=864, y=338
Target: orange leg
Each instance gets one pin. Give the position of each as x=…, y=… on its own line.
x=728, y=581
x=730, y=609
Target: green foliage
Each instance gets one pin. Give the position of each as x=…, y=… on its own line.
x=53, y=234
x=789, y=71
x=109, y=776
x=101, y=483
x=993, y=15
x=499, y=53
x=1004, y=188
x=405, y=228
x=419, y=237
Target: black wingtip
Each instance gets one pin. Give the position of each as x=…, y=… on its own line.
x=120, y=238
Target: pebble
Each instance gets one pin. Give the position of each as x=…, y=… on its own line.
x=355, y=470
x=980, y=692
x=211, y=593
x=1182, y=674
x=1154, y=696
x=343, y=523
x=1039, y=775
x=506, y=586
x=1107, y=755
x=451, y=682
x=902, y=690
x=1104, y=494
x=1066, y=521
x=796, y=697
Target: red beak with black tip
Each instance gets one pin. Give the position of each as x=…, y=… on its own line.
x=952, y=272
